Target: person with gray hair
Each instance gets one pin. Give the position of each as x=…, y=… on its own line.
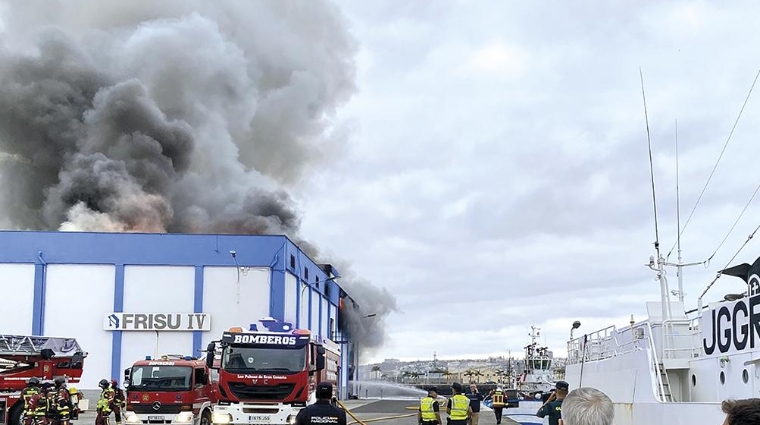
x=587, y=406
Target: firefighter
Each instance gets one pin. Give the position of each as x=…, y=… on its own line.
x=104, y=403
x=36, y=410
x=32, y=389
x=119, y=401
x=458, y=407
x=43, y=413
x=497, y=403
x=61, y=405
x=75, y=395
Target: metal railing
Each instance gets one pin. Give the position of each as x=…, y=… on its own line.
x=679, y=345
x=604, y=344
x=656, y=364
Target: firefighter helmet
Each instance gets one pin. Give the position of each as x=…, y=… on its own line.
x=73, y=390
x=103, y=384
x=33, y=382
x=59, y=381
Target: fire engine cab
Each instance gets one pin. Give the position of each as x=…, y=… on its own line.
x=172, y=389
x=23, y=357
x=269, y=372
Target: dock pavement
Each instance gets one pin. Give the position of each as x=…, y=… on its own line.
x=364, y=409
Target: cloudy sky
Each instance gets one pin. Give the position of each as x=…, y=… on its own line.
x=497, y=174
x=487, y=162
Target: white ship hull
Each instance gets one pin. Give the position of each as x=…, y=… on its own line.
x=628, y=381
x=676, y=371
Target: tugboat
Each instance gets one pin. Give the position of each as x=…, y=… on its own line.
x=537, y=379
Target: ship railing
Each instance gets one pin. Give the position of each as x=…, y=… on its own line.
x=656, y=364
x=598, y=345
x=681, y=338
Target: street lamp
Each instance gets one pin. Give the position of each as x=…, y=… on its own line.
x=576, y=325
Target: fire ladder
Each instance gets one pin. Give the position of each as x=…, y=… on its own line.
x=45, y=346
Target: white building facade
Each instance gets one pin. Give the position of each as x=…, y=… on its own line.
x=119, y=294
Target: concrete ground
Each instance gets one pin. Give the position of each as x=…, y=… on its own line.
x=366, y=410
x=375, y=409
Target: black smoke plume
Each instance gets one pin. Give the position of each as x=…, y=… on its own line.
x=178, y=116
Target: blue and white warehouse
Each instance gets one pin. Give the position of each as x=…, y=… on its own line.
x=125, y=296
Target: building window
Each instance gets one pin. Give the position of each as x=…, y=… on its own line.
x=317, y=280
x=292, y=261
x=327, y=290
x=332, y=328
x=306, y=273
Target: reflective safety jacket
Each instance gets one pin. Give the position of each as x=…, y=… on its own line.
x=497, y=399
x=459, y=407
x=427, y=410
x=27, y=393
x=105, y=400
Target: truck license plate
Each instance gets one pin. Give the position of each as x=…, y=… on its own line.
x=258, y=419
x=155, y=418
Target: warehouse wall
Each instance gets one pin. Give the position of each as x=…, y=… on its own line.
x=17, y=282
x=220, y=298
x=67, y=283
x=76, y=299
x=156, y=289
x=291, y=299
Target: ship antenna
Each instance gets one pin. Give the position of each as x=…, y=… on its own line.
x=678, y=224
x=715, y=167
x=660, y=261
x=651, y=167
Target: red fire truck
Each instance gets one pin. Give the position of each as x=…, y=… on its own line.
x=269, y=373
x=172, y=389
x=23, y=357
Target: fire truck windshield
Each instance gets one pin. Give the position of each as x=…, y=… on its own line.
x=163, y=378
x=246, y=359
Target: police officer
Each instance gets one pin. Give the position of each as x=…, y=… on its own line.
x=322, y=412
x=430, y=410
x=119, y=401
x=32, y=389
x=553, y=406
x=458, y=407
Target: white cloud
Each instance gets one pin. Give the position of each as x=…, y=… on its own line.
x=498, y=176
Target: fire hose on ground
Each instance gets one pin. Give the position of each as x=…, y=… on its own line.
x=363, y=422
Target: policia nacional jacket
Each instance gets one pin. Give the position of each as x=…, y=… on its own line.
x=321, y=413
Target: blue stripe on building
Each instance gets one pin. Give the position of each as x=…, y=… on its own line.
x=198, y=308
x=118, y=306
x=38, y=310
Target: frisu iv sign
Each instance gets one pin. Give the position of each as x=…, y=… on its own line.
x=187, y=322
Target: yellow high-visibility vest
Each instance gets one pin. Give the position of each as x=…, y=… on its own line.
x=426, y=408
x=459, y=406
x=498, y=399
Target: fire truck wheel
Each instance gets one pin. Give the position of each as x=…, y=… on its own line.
x=15, y=414
x=206, y=418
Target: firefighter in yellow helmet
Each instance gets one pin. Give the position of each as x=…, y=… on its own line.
x=430, y=411
x=74, y=396
x=458, y=407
